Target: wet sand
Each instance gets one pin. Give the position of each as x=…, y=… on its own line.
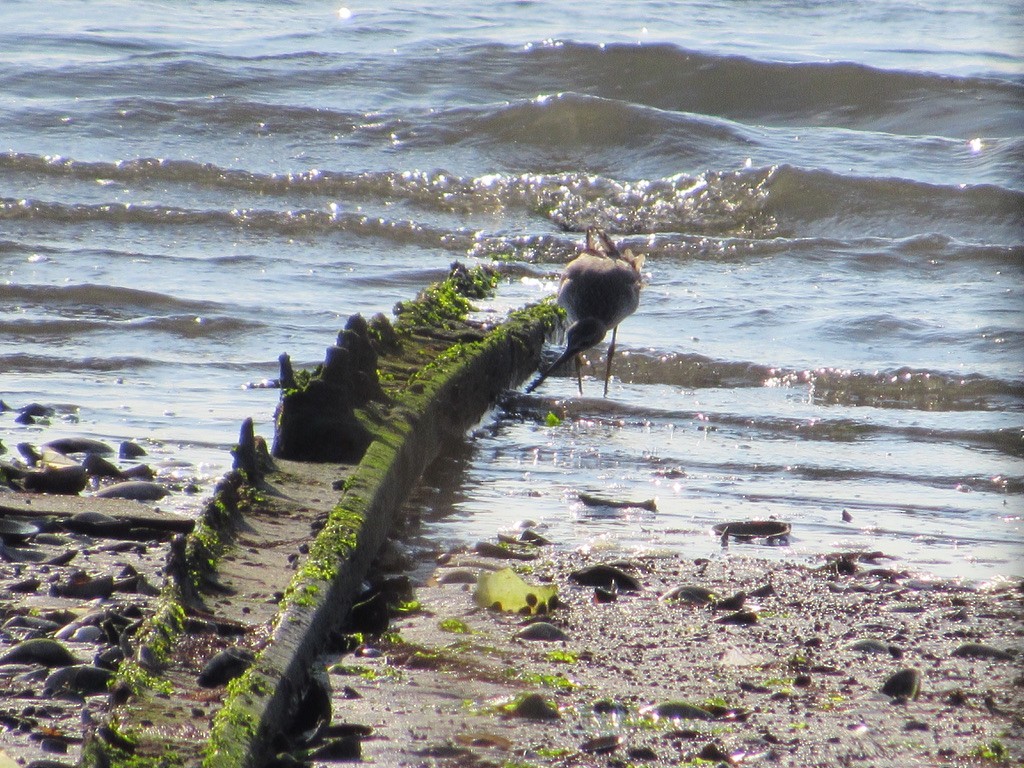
x=774, y=679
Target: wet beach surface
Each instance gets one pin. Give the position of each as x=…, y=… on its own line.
x=663, y=660
x=651, y=659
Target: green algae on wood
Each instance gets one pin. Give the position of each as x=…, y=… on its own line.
x=433, y=387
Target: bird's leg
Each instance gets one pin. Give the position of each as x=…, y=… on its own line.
x=579, y=373
x=608, y=366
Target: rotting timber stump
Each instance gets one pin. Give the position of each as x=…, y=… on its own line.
x=384, y=404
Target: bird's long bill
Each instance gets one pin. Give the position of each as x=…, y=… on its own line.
x=568, y=354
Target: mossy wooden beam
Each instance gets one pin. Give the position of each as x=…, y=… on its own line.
x=420, y=413
x=385, y=403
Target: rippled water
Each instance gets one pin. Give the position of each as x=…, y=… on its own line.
x=830, y=204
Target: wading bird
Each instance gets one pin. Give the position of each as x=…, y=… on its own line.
x=600, y=288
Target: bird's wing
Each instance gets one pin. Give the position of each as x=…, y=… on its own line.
x=635, y=260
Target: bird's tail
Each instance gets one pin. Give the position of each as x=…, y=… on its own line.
x=599, y=244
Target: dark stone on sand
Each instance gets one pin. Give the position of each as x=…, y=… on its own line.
x=773, y=531
x=611, y=708
x=25, y=586
x=224, y=667
x=607, y=577
x=371, y=616
x=766, y=590
x=642, y=754
x=81, y=585
x=601, y=745
x=740, y=618
x=12, y=554
x=66, y=445
x=43, y=651
x=110, y=659
x=29, y=454
x=36, y=409
x=80, y=679
x=130, y=450
x=714, y=753
x=65, y=481
x=981, y=651
x=530, y=536
x=32, y=622
x=97, y=466
x=457, y=576
x=15, y=531
x=870, y=645
x=137, y=490
x=533, y=706
x=592, y=500
x=138, y=472
x=690, y=594
x=905, y=684
x=733, y=603
x=542, y=631
x=487, y=549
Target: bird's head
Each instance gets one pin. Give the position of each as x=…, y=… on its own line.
x=581, y=336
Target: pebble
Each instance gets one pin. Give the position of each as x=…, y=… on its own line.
x=138, y=490
x=691, y=594
x=66, y=445
x=677, y=710
x=607, y=577
x=224, y=667
x=64, y=481
x=870, y=645
x=608, y=707
x=130, y=450
x=543, y=631
x=981, y=651
x=601, y=745
x=81, y=679
x=905, y=684
x=34, y=622
x=90, y=634
x=740, y=618
x=487, y=549
x=533, y=706
x=457, y=576
x=43, y=651
x=733, y=603
x=81, y=585
x=97, y=466
x=25, y=586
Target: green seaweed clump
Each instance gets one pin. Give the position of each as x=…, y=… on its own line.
x=504, y=591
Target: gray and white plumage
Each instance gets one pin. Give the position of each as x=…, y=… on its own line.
x=599, y=289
